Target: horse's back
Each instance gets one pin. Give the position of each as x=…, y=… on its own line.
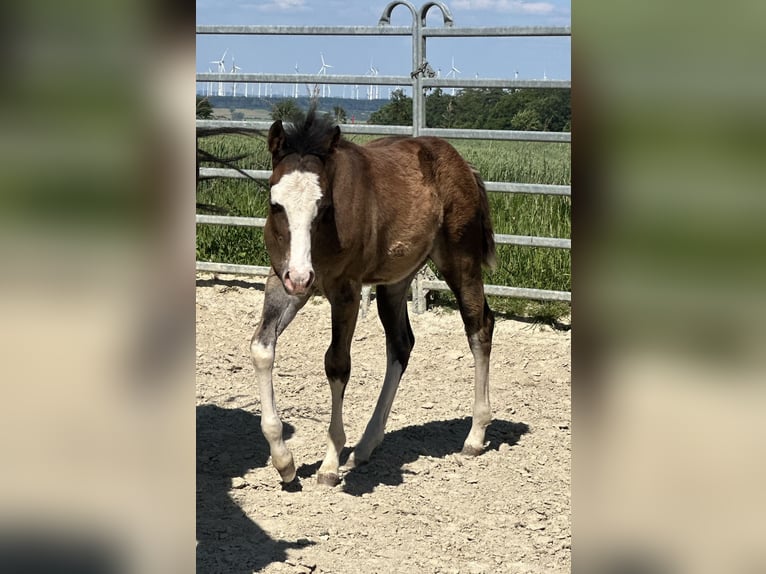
x=432, y=176
x=414, y=195
x=426, y=161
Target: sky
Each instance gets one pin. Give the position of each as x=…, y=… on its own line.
x=532, y=58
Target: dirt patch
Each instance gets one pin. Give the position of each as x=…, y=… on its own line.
x=419, y=505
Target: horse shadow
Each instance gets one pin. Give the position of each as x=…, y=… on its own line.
x=229, y=442
x=217, y=281
x=436, y=439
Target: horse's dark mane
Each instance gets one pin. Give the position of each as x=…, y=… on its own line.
x=312, y=136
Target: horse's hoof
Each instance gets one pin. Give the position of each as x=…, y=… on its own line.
x=288, y=473
x=469, y=450
x=328, y=479
x=353, y=462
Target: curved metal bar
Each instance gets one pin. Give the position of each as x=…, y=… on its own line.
x=385, y=18
x=446, y=14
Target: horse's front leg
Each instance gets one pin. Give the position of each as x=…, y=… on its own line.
x=344, y=302
x=279, y=310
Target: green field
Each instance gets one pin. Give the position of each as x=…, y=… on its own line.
x=518, y=214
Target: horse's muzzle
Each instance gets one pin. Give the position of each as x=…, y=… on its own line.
x=298, y=282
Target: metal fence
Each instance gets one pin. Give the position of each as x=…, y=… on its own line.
x=420, y=79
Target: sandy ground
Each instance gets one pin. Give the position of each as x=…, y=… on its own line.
x=419, y=505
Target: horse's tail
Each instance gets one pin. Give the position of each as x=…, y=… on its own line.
x=488, y=240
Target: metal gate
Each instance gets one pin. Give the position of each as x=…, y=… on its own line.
x=420, y=79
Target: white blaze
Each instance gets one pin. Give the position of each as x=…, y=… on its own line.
x=298, y=193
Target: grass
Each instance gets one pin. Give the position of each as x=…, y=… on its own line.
x=517, y=214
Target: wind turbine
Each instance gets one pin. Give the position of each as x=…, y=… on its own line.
x=209, y=84
x=295, y=87
x=221, y=70
x=323, y=72
x=372, y=90
x=453, y=72
x=234, y=70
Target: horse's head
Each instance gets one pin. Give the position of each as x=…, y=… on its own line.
x=298, y=185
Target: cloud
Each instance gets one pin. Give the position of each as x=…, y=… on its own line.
x=512, y=6
x=278, y=5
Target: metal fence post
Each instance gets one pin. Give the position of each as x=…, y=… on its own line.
x=418, y=296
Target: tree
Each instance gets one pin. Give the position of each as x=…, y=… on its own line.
x=501, y=115
x=473, y=106
x=339, y=114
x=485, y=108
x=527, y=120
x=287, y=110
x=204, y=108
x=398, y=112
x=439, y=109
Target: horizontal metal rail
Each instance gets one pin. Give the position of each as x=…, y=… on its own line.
x=533, y=241
x=526, y=240
x=507, y=135
x=497, y=290
x=348, y=79
x=530, y=188
x=304, y=79
x=496, y=186
x=492, y=83
x=231, y=220
x=361, y=129
x=267, y=30
x=499, y=31
x=472, y=134
x=232, y=268
x=233, y=173
x=504, y=291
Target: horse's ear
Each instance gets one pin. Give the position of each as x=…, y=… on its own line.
x=276, y=136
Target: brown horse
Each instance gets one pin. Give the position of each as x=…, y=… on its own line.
x=344, y=215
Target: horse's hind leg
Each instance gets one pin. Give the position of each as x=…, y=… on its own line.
x=344, y=303
x=462, y=271
x=392, y=309
x=279, y=310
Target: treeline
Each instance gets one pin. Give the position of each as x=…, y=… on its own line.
x=356, y=111
x=531, y=109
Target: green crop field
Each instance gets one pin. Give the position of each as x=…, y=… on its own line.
x=518, y=214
